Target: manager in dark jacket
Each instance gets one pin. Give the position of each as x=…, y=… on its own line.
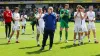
x=50, y=21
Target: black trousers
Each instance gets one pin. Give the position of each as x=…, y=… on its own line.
x=47, y=33
x=7, y=29
x=33, y=25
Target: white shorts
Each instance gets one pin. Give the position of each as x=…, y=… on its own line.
x=14, y=28
x=23, y=23
x=40, y=30
x=84, y=28
x=77, y=28
x=91, y=26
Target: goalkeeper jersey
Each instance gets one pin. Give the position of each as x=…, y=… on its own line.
x=64, y=15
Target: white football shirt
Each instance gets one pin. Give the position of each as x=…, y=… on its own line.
x=41, y=21
x=16, y=16
x=91, y=16
x=23, y=17
x=78, y=20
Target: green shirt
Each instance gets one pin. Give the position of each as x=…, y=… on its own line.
x=64, y=15
x=33, y=17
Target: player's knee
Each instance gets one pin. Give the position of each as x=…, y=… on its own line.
x=66, y=29
x=18, y=31
x=61, y=29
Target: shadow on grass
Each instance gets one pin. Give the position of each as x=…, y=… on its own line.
x=37, y=52
x=70, y=40
x=58, y=43
x=2, y=38
x=6, y=43
x=26, y=34
x=28, y=47
x=68, y=46
x=61, y=42
x=33, y=37
x=87, y=43
x=97, y=55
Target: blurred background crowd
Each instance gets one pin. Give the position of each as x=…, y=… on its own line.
x=30, y=8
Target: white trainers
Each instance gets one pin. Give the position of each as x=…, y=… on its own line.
x=50, y=49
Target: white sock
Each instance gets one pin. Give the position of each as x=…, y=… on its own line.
x=22, y=30
x=79, y=41
x=89, y=39
x=77, y=36
x=81, y=38
x=16, y=39
x=94, y=39
x=74, y=41
x=38, y=42
x=9, y=39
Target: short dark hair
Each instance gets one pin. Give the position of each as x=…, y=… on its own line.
x=66, y=5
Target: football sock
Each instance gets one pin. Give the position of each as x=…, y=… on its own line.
x=66, y=35
x=60, y=35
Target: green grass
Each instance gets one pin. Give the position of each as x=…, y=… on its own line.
x=28, y=46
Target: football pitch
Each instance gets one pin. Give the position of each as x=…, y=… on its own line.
x=28, y=45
